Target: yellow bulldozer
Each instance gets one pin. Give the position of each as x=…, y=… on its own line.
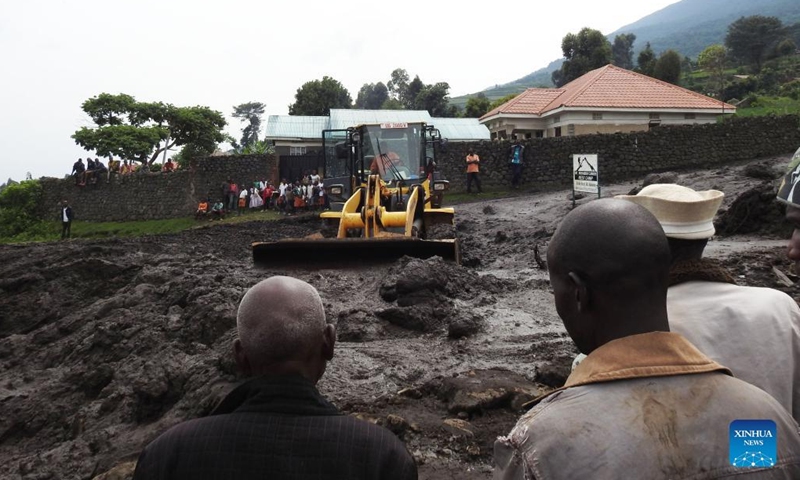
x=385, y=196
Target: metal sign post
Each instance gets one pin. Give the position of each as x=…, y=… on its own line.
x=585, y=175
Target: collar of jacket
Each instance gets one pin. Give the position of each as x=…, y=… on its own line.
x=276, y=394
x=655, y=354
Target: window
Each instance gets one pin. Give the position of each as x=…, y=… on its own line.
x=297, y=150
x=655, y=116
x=558, y=131
x=571, y=129
x=597, y=116
x=557, y=119
x=689, y=116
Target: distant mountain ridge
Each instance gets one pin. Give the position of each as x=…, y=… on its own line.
x=687, y=26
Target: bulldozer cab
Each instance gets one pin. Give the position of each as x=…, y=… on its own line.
x=399, y=152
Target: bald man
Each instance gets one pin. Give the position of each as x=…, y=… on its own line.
x=277, y=425
x=645, y=403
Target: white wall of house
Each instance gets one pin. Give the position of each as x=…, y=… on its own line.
x=582, y=122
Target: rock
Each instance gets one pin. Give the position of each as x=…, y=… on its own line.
x=761, y=171
x=465, y=325
x=396, y=424
x=123, y=471
x=458, y=427
x=481, y=390
x=489, y=210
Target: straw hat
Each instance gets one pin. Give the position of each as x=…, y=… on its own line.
x=682, y=212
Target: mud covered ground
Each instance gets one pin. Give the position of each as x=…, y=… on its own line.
x=106, y=344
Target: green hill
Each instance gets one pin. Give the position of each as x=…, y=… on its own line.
x=687, y=26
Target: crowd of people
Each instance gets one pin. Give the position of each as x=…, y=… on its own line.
x=303, y=195
x=682, y=373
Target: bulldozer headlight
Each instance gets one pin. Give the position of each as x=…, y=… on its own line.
x=440, y=186
x=336, y=190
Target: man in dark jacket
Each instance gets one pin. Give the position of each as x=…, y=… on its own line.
x=66, y=219
x=515, y=156
x=277, y=425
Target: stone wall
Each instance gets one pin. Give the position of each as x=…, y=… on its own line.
x=547, y=164
x=548, y=161
x=148, y=196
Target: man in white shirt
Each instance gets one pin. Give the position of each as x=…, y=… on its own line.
x=753, y=331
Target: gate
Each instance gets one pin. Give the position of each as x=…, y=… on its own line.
x=292, y=167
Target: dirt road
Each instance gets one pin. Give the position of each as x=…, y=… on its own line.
x=105, y=344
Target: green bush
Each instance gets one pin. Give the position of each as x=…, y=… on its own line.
x=791, y=90
x=18, y=208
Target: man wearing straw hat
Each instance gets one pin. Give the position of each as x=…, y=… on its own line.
x=753, y=331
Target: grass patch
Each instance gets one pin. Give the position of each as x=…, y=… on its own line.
x=770, y=106
x=51, y=231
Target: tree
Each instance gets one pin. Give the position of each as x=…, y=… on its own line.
x=251, y=113
x=646, y=61
x=410, y=93
x=392, y=104
x=622, y=50
x=668, y=67
x=749, y=38
x=140, y=131
x=398, y=84
x=785, y=47
x=19, y=207
x=712, y=60
x=433, y=98
x=372, y=96
x=583, y=52
x=477, y=106
x=318, y=97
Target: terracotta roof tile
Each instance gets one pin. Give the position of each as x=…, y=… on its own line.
x=608, y=87
x=531, y=101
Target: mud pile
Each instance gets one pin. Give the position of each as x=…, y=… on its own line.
x=754, y=211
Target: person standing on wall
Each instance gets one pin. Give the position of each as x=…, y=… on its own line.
x=66, y=219
x=473, y=169
x=515, y=156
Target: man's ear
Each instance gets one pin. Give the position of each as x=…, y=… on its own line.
x=328, y=341
x=241, y=358
x=581, y=292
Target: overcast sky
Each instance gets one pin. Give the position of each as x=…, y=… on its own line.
x=55, y=54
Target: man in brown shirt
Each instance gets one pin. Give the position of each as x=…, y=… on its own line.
x=645, y=403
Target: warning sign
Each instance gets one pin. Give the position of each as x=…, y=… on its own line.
x=586, y=175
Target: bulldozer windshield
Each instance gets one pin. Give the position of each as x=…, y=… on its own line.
x=394, y=150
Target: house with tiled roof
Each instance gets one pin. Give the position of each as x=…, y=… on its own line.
x=609, y=99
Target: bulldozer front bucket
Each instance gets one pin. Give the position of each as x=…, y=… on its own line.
x=341, y=252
